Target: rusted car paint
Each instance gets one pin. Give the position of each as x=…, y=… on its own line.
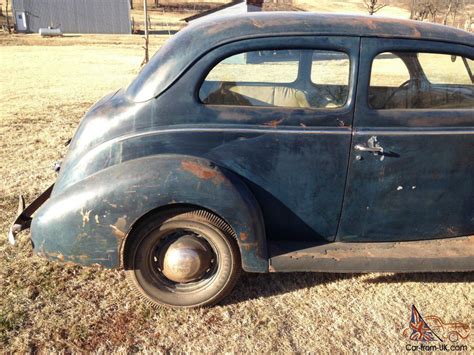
x=453, y=254
x=99, y=215
x=273, y=174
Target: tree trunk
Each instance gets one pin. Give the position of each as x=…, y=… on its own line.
x=412, y=9
x=145, y=10
x=7, y=16
x=445, y=18
x=131, y=4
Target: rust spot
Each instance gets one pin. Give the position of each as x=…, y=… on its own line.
x=461, y=247
x=249, y=246
x=273, y=123
x=244, y=236
x=258, y=24
x=81, y=236
x=202, y=171
x=119, y=227
x=85, y=216
x=82, y=257
x=396, y=26
x=113, y=205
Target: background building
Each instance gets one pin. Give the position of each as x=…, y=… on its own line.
x=242, y=6
x=73, y=16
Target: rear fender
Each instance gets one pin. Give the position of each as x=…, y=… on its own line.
x=88, y=222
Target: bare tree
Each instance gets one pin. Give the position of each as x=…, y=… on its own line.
x=8, y=17
x=412, y=9
x=468, y=15
x=456, y=9
x=454, y=12
x=426, y=9
x=145, y=13
x=373, y=6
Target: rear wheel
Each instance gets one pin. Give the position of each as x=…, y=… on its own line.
x=185, y=258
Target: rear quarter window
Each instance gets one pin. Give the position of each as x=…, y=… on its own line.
x=280, y=78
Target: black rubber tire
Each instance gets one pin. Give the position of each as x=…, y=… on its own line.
x=144, y=238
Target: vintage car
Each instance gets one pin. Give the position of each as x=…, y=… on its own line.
x=273, y=142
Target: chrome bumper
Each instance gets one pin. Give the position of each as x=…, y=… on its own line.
x=23, y=218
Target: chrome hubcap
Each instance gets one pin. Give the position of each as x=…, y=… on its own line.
x=186, y=259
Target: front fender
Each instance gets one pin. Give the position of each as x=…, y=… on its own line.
x=87, y=222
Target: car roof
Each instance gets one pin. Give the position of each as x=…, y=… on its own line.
x=289, y=23
x=199, y=37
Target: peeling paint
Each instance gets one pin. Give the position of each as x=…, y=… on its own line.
x=202, y=171
x=119, y=227
x=274, y=123
x=85, y=216
x=424, y=255
x=249, y=246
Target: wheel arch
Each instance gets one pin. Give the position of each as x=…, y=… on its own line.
x=170, y=208
x=87, y=222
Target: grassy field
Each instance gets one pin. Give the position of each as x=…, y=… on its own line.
x=46, y=85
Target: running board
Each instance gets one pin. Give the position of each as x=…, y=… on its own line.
x=451, y=254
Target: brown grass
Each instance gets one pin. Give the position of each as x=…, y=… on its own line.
x=45, y=88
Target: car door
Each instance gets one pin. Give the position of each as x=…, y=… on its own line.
x=411, y=169
x=290, y=147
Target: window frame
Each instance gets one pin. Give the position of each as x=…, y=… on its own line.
x=349, y=45
x=366, y=116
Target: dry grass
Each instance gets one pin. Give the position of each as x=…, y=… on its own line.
x=45, y=88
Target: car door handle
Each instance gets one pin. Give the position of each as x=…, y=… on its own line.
x=362, y=148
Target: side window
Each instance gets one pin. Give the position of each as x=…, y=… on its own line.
x=388, y=70
x=446, y=69
x=281, y=78
x=410, y=80
x=330, y=78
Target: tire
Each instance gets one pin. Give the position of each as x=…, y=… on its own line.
x=151, y=241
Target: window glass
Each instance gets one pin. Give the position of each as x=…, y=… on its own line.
x=409, y=80
x=445, y=69
x=259, y=66
x=330, y=68
x=330, y=73
x=388, y=70
x=283, y=78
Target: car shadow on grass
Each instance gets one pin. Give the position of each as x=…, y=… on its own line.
x=425, y=277
x=252, y=286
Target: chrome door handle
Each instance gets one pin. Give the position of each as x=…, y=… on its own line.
x=362, y=148
x=372, y=146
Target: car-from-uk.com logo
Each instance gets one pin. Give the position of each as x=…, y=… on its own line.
x=433, y=334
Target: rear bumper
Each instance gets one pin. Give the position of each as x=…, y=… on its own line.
x=24, y=215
